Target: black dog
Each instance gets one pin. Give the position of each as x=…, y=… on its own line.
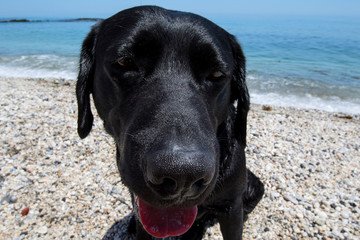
x=165, y=83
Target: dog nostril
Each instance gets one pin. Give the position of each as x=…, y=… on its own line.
x=168, y=185
x=199, y=185
x=180, y=173
x=165, y=187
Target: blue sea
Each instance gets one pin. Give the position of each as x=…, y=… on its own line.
x=306, y=62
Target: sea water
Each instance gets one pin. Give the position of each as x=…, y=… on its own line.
x=306, y=62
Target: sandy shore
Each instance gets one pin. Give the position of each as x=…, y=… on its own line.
x=55, y=186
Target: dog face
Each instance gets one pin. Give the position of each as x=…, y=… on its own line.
x=164, y=82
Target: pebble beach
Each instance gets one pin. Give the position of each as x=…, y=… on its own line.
x=53, y=185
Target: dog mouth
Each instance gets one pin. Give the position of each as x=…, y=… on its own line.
x=165, y=222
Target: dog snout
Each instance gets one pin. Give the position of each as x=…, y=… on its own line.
x=180, y=174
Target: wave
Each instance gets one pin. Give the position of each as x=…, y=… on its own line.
x=270, y=90
x=335, y=104
x=313, y=92
x=39, y=66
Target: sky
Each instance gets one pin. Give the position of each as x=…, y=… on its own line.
x=106, y=8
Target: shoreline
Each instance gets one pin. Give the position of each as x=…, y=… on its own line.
x=68, y=82
x=309, y=161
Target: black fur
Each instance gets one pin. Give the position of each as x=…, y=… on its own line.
x=165, y=84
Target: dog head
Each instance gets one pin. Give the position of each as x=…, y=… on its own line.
x=164, y=83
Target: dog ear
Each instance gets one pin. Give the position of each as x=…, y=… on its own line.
x=84, y=82
x=239, y=92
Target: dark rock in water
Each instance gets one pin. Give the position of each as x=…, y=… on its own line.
x=19, y=20
x=81, y=20
x=15, y=21
x=62, y=20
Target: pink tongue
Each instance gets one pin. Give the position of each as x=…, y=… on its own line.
x=163, y=222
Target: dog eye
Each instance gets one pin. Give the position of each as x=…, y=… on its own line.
x=216, y=75
x=127, y=63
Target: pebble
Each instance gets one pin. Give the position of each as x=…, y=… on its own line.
x=291, y=199
x=289, y=138
x=9, y=198
x=345, y=214
x=308, y=160
x=42, y=230
x=321, y=214
x=274, y=195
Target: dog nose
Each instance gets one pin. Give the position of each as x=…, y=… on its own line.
x=185, y=173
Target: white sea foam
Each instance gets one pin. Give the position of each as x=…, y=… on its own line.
x=333, y=104
x=262, y=90
x=39, y=66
